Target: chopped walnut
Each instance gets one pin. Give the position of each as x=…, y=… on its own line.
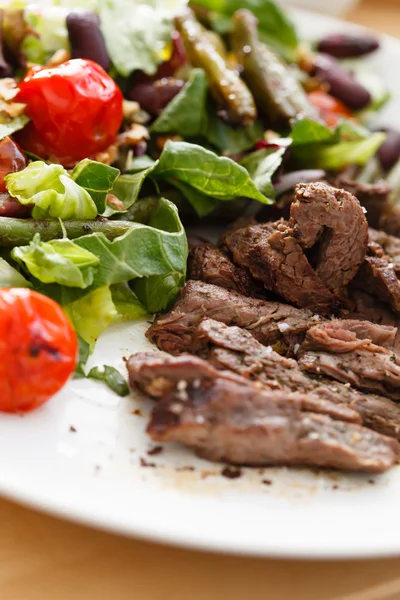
x=9, y=109
x=59, y=57
x=163, y=139
x=133, y=113
x=114, y=202
x=108, y=156
x=135, y=134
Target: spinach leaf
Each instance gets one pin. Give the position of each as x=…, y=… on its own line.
x=202, y=204
x=97, y=179
x=185, y=114
x=229, y=139
x=307, y=131
x=111, y=377
x=127, y=189
x=137, y=35
x=212, y=175
x=12, y=126
x=159, y=292
x=84, y=352
x=261, y=165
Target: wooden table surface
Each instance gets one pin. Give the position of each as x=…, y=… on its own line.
x=42, y=558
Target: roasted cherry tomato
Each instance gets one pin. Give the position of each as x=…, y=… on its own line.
x=75, y=111
x=331, y=109
x=38, y=349
x=11, y=160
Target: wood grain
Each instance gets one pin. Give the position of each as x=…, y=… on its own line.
x=42, y=558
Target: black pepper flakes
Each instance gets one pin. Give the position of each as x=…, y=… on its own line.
x=145, y=463
x=154, y=451
x=231, y=472
x=72, y=429
x=266, y=482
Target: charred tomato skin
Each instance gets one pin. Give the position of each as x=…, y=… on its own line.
x=38, y=349
x=75, y=111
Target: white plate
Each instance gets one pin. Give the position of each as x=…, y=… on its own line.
x=79, y=457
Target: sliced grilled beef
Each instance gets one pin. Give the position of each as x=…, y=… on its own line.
x=234, y=349
x=347, y=356
x=211, y=265
x=332, y=222
x=269, y=322
x=373, y=196
x=156, y=374
x=273, y=256
x=238, y=423
x=390, y=245
x=390, y=221
x=378, y=277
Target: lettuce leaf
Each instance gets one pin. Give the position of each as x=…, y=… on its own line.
x=12, y=126
x=315, y=145
x=212, y=175
x=275, y=26
x=126, y=303
x=97, y=179
x=10, y=277
x=185, y=114
x=91, y=314
x=341, y=155
x=137, y=35
x=51, y=190
x=58, y=261
x=157, y=249
x=49, y=25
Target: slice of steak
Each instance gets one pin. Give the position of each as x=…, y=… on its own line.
x=330, y=349
x=211, y=265
x=231, y=348
x=374, y=197
x=346, y=335
x=390, y=245
x=224, y=420
x=332, y=222
x=157, y=374
x=273, y=256
x=269, y=322
x=378, y=277
x=364, y=307
x=390, y=221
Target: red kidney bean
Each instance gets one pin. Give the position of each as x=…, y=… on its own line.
x=389, y=153
x=342, y=84
x=348, y=45
x=178, y=58
x=140, y=148
x=153, y=96
x=9, y=207
x=86, y=38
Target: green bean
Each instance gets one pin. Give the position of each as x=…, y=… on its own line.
x=278, y=94
x=225, y=84
x=16, y=232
